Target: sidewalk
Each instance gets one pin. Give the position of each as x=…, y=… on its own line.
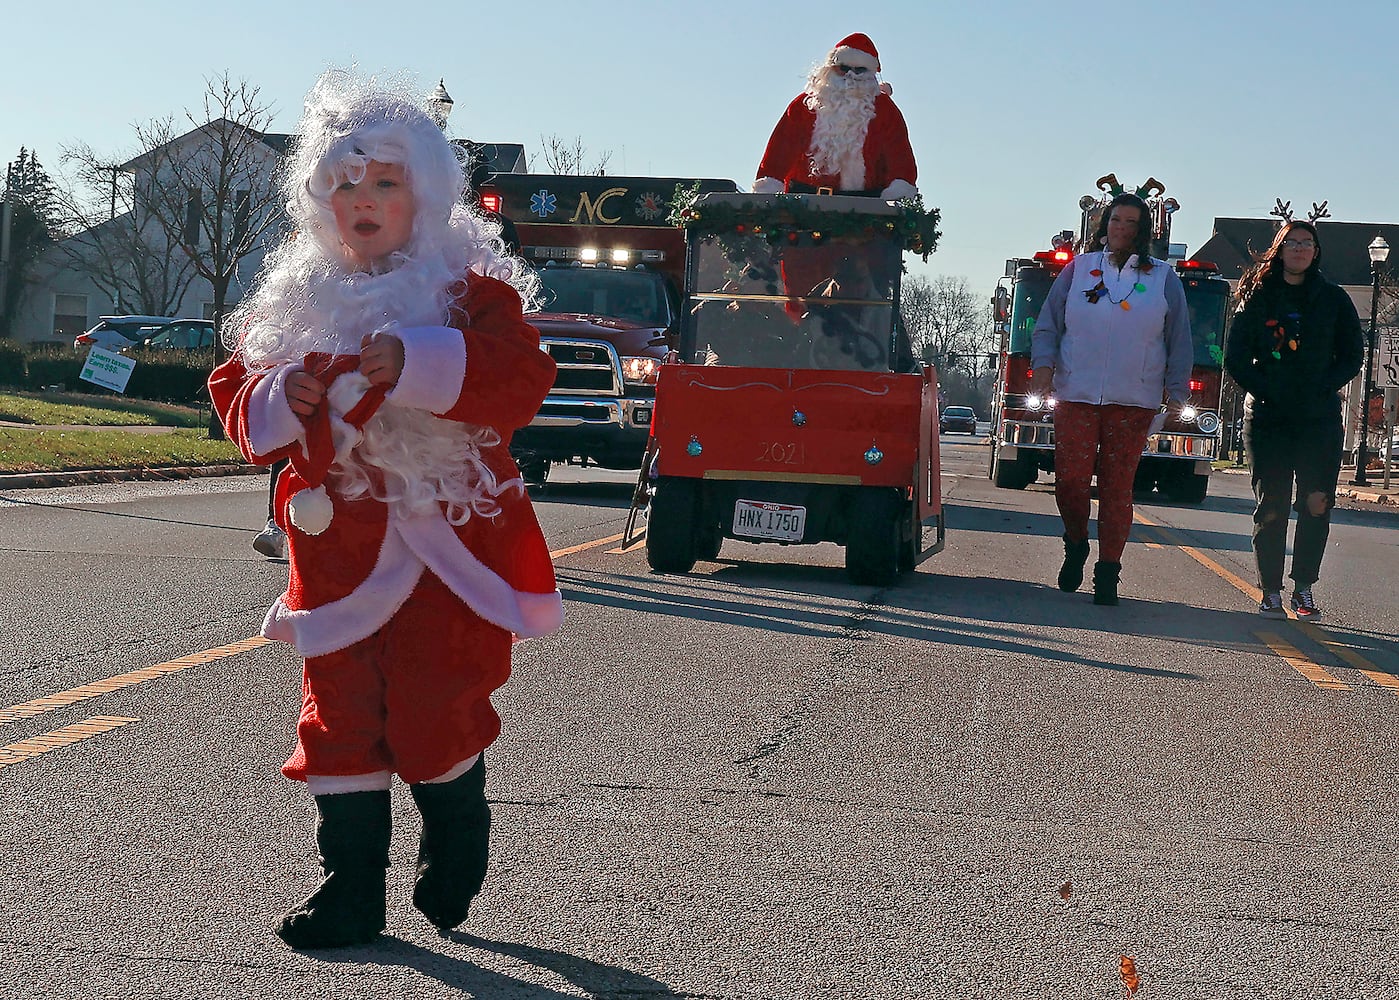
x=1372, y=492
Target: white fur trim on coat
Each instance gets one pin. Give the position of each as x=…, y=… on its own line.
x=434, y=368
x=271, y=422
x=768, y=185
x=343, y=784
x=850, y=56
x=897, y=190
x=357, y=615
x=409, y=545
x=525, y=614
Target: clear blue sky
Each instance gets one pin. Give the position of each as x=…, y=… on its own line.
x=1014, y=107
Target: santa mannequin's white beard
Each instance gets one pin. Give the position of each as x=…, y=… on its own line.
x=844, y=107
x=404, y=456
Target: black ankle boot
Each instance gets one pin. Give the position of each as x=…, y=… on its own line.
x=1071, y=573
x=455, y=847
x=1105, y=576
x=353, y=837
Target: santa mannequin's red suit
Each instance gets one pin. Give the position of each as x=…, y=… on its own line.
x=842, y=134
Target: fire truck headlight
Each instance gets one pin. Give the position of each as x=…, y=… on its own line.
x=1207, y=422
x=641, y=371
x=1034, y=403
x=1188, y=414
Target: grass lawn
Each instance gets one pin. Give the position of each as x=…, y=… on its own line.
x=94, y=410
x=57, y=451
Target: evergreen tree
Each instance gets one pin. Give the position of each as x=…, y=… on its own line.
x=29, y=201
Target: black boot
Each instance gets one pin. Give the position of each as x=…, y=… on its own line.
x=455, y=846
x=1105, y=576
x=353, y=837
x=1071, y=573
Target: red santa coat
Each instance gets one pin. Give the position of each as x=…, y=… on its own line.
x=888, y=155
x=347, y=582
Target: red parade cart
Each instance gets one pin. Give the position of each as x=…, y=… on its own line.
x=793, y=411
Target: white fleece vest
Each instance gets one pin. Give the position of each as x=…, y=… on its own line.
x=1109, y=354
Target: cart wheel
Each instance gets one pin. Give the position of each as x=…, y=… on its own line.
x=911, y=538
x=670, y=530
x=709, y=542
x=874, y=541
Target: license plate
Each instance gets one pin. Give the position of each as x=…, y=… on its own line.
x=779, y=521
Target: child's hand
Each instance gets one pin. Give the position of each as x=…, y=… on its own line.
x=304, y=393
x=381, y=359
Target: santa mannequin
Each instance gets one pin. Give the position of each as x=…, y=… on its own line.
x=842, y=134
x=385, y=355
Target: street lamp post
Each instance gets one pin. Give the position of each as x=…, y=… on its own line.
x=439, y=104
x=1379, y=253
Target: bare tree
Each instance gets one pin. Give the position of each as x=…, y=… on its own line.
x=950, y=327
x=122, y=251
x=563, y=156
x=212, y=191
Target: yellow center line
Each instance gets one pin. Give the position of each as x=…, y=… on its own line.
x=35, y=746
x=1351, y=657
x=558, y=553
x=39, y=706
x=1313, y=672
x=1229, y=577
x=1310, y=629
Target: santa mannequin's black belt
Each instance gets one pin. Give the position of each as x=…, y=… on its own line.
x=793, y=187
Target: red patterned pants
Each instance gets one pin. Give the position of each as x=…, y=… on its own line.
x=1110, y=439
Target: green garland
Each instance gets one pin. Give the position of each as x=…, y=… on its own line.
x=793, y=216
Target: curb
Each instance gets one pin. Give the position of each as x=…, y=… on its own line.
x=94, y=477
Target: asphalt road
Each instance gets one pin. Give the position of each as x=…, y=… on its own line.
x=754, y=780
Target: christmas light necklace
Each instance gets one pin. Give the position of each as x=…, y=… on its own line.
x=1100, y=291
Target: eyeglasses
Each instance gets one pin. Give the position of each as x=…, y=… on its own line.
x=1298, y=245
x=842, y=69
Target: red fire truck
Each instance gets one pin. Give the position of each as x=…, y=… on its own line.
x=1177, y=460
x=611, y=267
x=795, y=413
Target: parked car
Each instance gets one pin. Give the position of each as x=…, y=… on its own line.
x=183, y=334
x=957, y=418
x=117, y=333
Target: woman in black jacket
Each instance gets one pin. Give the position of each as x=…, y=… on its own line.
x=1294, y=343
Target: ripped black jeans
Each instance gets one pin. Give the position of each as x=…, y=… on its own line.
x=1283, y=454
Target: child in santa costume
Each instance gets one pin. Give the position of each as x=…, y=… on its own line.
x=384, y=354
x=843, y=134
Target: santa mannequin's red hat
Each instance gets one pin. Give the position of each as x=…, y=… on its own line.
x=855, y=50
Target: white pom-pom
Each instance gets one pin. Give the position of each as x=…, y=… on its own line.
x=311, y=510
x=886, y=89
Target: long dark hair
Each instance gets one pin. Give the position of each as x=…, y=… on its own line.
x=1142, y=246
x=1267, y=266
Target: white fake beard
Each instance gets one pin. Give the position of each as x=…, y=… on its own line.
x=403, y=456
x=844, y=107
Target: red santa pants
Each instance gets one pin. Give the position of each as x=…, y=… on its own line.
x=414, y=697
x=1109, y=438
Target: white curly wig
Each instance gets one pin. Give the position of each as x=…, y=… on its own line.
x=309, y=296
x=348, y=122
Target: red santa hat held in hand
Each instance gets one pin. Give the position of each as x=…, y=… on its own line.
x=842, y=134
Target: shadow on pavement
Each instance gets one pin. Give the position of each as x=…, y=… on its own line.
x=460, y=973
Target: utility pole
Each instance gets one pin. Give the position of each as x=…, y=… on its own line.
x=6, y=217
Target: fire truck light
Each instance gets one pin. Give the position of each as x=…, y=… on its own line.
x=1188, y=414
x=588, y=255
x=620, y=255
x=1034, y=403
x=1197, y=385
x=1207, y=422
x=491, y=201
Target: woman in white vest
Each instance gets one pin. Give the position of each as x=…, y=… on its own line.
x=1113, y=342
